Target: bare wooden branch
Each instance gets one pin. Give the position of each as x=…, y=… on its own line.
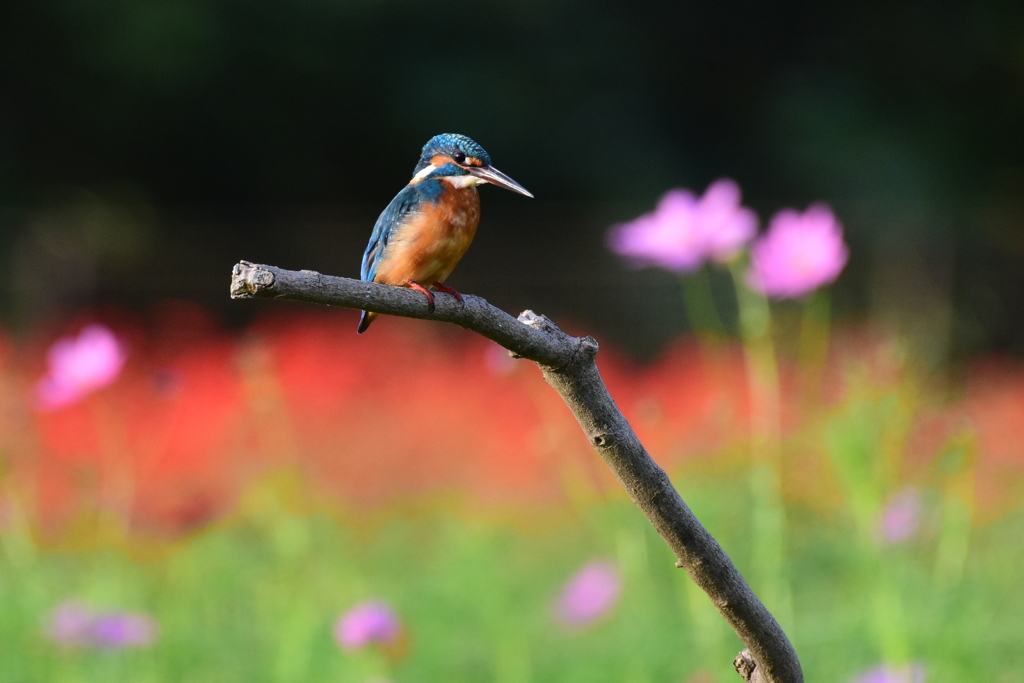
x=569, y=365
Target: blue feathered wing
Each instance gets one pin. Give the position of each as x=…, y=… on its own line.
x=400, y=210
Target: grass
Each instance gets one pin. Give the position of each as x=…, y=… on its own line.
x=255, y=598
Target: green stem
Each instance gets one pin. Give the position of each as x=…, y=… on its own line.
x=887, y=616
x=958, y=464
x=814, y=342
x=765, y=478
x=700, y=305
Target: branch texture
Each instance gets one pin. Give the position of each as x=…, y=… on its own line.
x=569, y=366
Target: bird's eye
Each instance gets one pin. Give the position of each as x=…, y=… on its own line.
x=459, y=157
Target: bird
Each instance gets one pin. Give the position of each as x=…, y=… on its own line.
x=425, y=230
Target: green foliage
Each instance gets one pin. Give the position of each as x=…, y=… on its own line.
x=256, y=599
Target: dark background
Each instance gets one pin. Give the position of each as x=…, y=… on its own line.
x=145, y=147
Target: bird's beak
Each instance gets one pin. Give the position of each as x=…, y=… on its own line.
x=496, y=177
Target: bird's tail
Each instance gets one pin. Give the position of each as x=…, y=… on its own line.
x=364, y=321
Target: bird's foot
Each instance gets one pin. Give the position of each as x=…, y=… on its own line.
x=426, y=292
x=448, y=290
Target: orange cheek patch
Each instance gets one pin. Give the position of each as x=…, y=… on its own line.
x=440, y=161
x=473, y=161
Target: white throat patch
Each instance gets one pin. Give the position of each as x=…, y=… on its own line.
x=461, y=181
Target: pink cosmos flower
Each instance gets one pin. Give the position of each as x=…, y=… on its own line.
x=892, y=674
x=69, y=624
x=589, y=594
x=799, y=253
x=366, y=623
x=78, y=366
x=725, y=226
x=117, y=630
x=684, y=231
x=665, y=238
x=75, y=624
x=901, y=517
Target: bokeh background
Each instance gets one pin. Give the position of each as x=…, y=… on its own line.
x=214, y=131
x=255, y=470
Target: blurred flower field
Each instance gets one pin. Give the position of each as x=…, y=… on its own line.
x=240, y=493
x=295, y=503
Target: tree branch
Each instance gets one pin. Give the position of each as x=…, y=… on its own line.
x=569, y=365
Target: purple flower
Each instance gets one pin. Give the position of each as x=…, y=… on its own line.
x=901, y=517
x=799, y=253
x=79, y=366
x=75, y=624
x=70, y=624
x=685, y=231
x=885, y=673
x=724, y=224
x=589, y=594
x=123, y=629
x=366, y=623
x=665, y=238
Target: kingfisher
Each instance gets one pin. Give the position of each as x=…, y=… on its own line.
x=428, y=226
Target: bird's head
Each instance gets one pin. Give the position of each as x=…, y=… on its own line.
x=461, y=162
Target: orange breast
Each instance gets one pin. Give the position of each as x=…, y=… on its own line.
x=427, y=248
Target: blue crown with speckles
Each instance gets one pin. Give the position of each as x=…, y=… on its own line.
x=447, y=144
